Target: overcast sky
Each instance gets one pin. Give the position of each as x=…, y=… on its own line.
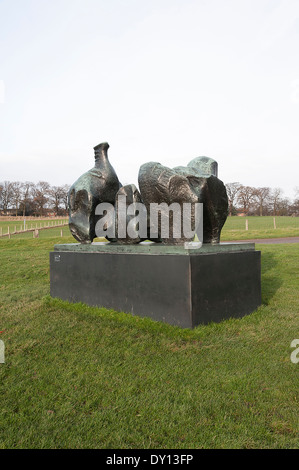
x=159, y=80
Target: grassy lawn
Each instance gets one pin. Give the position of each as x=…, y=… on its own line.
x=83, y=377
x=259, y=227
x=234, y=228
x=38, y=223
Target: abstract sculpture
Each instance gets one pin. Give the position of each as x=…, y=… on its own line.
x=196, y=183
x=100, y=184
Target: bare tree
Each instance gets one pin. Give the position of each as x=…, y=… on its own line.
x=246, y=197
x=27, y=197
x=275, y=198
x=261, y=196
x=284, y=207
x=16, y=196
x=295, y=207
x=41, y=196
x=232, y=190
x=58, y=195
x=6, y=195
x=66, y=188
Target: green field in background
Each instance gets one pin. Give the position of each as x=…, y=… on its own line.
x=234, y=228
x=261, y=223
x=48, y=233
x=259, y=227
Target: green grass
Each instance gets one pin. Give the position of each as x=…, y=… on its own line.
x=259, y=227
x=35, y=223
x=234, y=228
x=83, y=377
x=48, y=233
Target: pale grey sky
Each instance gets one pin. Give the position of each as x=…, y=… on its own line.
x=160, y=80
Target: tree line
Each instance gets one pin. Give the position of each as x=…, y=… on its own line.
x=41, y=199
x=33, y=199
x=260, y=201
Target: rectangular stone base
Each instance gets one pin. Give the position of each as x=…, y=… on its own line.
x=171, y=284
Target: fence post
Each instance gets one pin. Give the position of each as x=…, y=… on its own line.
x=246, y=224
x=274, y=222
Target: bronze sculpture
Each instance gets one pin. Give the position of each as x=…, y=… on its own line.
x=100, y=184
x=196, y=183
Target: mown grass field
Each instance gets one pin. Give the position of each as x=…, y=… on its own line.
x=83, y=377
x=234, y=228
x=38, y=223
x=260, y=227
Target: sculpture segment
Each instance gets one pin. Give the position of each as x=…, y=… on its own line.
x=159, y=184
x=195, y=183
x=100, y=184
x=127, y=224
x=202, y=174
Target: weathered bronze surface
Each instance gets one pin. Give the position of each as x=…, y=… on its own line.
x=100, y=184
x=126, y=225
x=200, y=166
x=159, y=184
x=195, y=183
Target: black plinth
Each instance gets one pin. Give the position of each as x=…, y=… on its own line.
x=171, y=284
